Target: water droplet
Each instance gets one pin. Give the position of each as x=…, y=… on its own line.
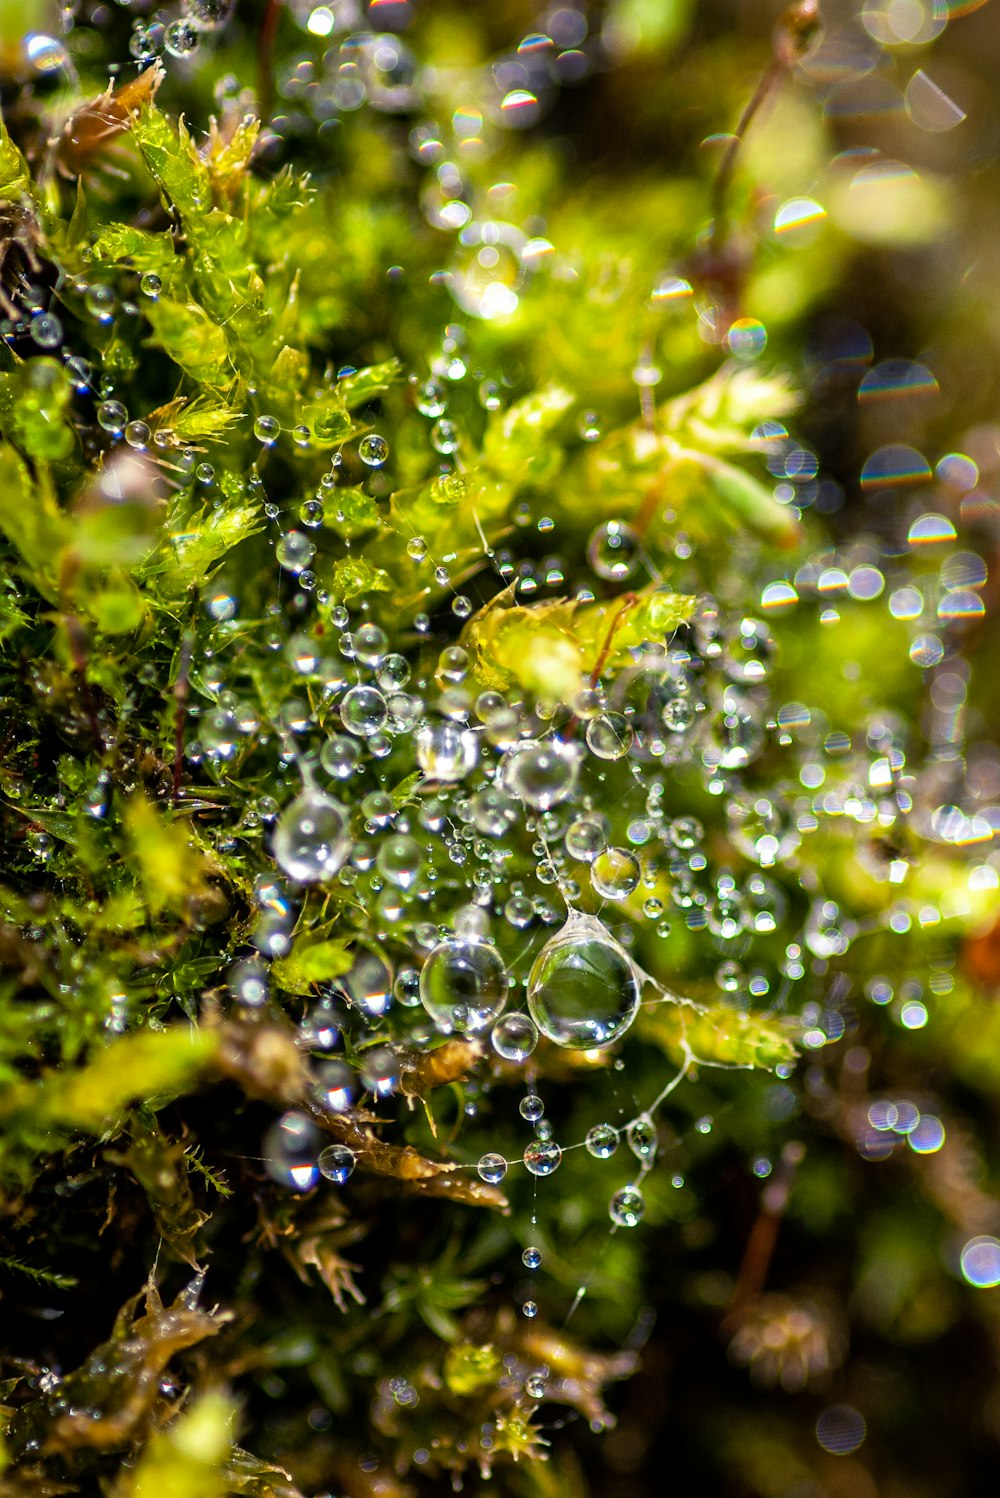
x=336, y=1086
x=610, y=736
x=266, y=429
x=531, y=1107
x=614, y=551
x=294, y=551
x=363, y=711
x=290, y=1150
x=311, y=839
x=445, y=751
x=529, y=1309
x=627, y=1207
x=542, y=1157
x=373, y=450
x=336, y=1163
x=339, y=756
x=541, y=773
x=614, y=874
x=532, y=1257
x=181, y=39
x=492, y=1169
x=208, y=14
x=150, y=284
x=587, y=837
x=642, y=1139
x=514, y=1037
x=602, y=1141
x=463, y=985
x=112, y=416
x=399, y=861
x=380, y=1071
x=583, y=990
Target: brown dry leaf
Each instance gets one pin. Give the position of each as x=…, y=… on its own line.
x=106, y=1402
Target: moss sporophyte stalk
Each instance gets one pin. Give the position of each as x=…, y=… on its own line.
x=488, y=806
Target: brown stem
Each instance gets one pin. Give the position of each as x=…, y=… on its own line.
x=763, y=1237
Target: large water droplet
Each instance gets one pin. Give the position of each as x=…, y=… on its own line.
x=583, y=989
x=445, y=751
x=463, y=985
x=541, y=773
x=602, y=1141
x=614, y=873
x=311, y=839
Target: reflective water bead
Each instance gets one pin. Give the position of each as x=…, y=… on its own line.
x=311, y=839
x=181, y=39
x=336, y=1086
x=626, y=1207
x=542, y=1156
x=208, y=14
x=339, y=756
x=46, y=330
x=463, y=985
x=541, y=773
x=290, y=1148
x=137, y=434
x=336, y=1163
x=373, y=450
x=529, y=1309
x=444, y=437
x=311, y=513
x=399, y=861
x=610, y=736
x=493, y=811
x=532, y=1257
x=686, y=832
x=531, y=1107
x=614, y=874
x=445, y=751
x=112, y=416
x=587, y=837
x=266, y=429
x=380, y=1071
x=294, y=551
x=583, y=990
x=370, y=643
x=602, y=1141
x=492, y=1169
x=514, y=1037
x=416, y=548
x=642, y=1138
x=614, y=551
x=363, y=711
x=431, y=398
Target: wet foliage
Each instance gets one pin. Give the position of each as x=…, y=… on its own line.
x=498, y=917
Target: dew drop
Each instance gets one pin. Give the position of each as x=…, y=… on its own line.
x=311, y=839
x=542, y=1157
x=336, y=1163
x=583, y=990
x=541, y=773
x=531, y=1107
x=610, y=736
x=492, y=1169
x=463, y=985
x=290, y=1149
x=627, y=1207
x=642, y=1138
x=614, y=874
x=373, y=450
x=363, y=711
x=514, y=1037
x=602, y=1141
x=614, y=551
x=445, y=751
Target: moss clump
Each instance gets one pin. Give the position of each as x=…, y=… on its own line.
x=406, y=565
